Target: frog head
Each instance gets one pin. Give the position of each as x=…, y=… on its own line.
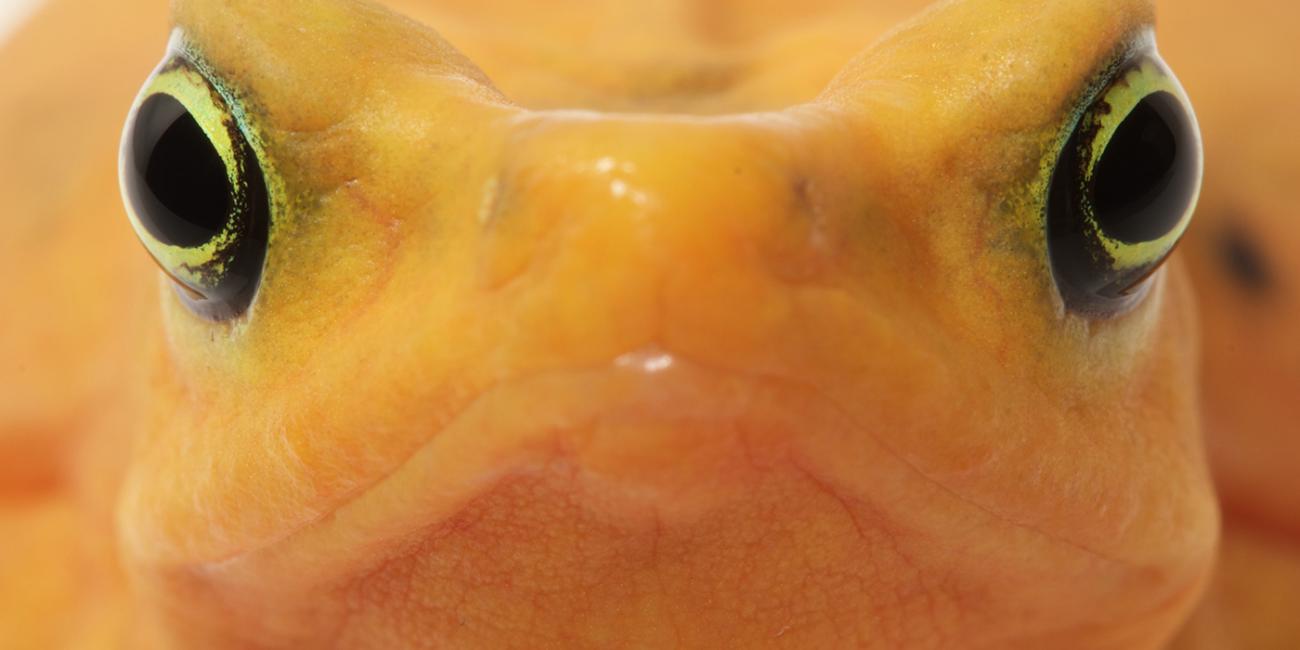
x=896, y=363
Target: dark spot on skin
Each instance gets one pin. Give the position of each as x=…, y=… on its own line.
x=1244, y=263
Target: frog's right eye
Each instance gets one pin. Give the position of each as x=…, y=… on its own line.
x=1124, y=189
x=195, y=191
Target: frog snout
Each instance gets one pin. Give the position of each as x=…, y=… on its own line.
x=712, y=241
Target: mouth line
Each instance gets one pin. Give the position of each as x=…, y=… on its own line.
x=650, y=386
x=647, y=385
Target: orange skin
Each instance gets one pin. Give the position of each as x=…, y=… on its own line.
x=796, y=377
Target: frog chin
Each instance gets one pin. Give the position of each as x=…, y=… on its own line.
x=658, y=502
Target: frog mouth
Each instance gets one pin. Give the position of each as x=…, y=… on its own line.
x=665, y=434
x=662, y=447
x=657, y=429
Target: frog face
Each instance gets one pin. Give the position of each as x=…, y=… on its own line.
x=901, y=363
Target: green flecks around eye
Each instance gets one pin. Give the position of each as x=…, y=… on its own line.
x=200, y=266
x=195, y=187
x=1125, y=184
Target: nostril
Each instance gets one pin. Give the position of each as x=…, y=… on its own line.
x=803, y=248
x=553, y=205
x=516, y=219
x=505, y=254
x=1243, y=261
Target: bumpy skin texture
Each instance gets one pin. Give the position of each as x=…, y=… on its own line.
x=530, y=378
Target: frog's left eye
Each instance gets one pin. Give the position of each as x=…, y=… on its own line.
x=195, y=191
x=1124, y=188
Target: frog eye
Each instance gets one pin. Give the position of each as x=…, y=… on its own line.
x=1124, y=189
x=194, y=191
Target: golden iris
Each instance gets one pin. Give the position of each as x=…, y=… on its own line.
x=1125, y=186
x=194, y=189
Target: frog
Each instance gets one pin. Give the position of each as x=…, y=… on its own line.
x=765, y=327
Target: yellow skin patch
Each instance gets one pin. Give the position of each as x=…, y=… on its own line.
x=736, y=353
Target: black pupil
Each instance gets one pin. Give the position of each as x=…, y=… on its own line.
x=1147, y=175
x=180, y=188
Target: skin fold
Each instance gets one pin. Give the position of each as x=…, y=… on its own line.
x=753, y=345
